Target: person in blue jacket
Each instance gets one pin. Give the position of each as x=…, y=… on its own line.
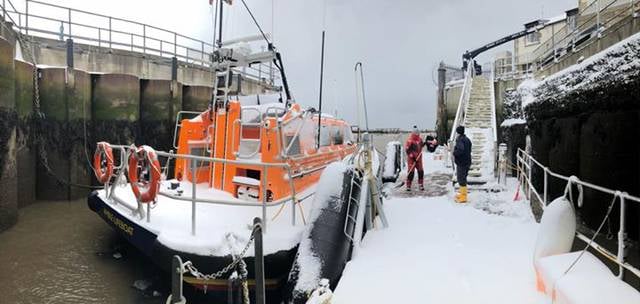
x=462, y=158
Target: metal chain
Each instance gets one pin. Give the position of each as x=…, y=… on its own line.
x=237, y=260
x=26, y=46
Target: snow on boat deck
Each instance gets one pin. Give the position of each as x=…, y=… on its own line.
x=220, y=229
x=436, y=251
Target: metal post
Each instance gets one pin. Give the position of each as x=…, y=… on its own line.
x=148, y=213
x=529, y=178
x=194, y=181
x=502, y=163
x=132, y=42
x=144, y=38
x=546, y=197
x=598, y=15
x=110, y=32
x=621, y=233
x=259, y=260
x=553, y=42
x=264, y=198
x=26, y=18
x=202, y=53
x=177, y=270
x=175, y=44
x=99, y=37
x=4, y=10
x=69, y=10
x=160, y=48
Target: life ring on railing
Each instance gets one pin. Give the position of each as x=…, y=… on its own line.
x=143, y=162
x=103, y=162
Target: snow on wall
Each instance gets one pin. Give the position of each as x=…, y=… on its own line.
x=618, y=64
x=512, y=122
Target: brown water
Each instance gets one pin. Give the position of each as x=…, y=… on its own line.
x=61, y=252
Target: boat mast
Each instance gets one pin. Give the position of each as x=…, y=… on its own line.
x=320, y=95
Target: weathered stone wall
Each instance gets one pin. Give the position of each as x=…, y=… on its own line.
x=195, y=98
x=160, y=102
x=8, y=122
x=26, y=153
x=49, y=134
x=592, y=134
x=116, y=108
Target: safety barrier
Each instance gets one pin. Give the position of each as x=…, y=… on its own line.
x=194, y=199
x=592, y=21
x=526, y=164
x=40, y=19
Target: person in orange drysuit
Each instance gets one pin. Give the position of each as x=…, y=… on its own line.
x=413, y=146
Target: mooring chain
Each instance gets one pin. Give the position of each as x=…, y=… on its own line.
x=237, y=260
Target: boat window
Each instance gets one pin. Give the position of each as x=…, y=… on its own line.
x=294, y=148
x=348, y=135
x=338, y=138
x=325, y=138
x=198, y=151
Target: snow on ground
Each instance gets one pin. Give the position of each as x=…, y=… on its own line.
x=436, y=251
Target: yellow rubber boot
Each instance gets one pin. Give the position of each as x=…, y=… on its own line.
x=461, y=197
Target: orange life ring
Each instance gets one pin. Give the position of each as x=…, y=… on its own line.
x=144, y=158
x=103, y=162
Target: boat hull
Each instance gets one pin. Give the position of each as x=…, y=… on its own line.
x=277, y=265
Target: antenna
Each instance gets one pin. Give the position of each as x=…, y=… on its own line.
x=361, y=93
x=320, y=95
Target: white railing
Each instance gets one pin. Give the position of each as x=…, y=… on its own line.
x=591, y=22
x=494, y=116
x=44, y=20
x=525, y=165
x=464, y=100
x=122, y=168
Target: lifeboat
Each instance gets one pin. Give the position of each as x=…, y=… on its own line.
x=238, y=160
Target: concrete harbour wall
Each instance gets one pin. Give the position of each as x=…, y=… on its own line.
x=103, y=95
x=8, y=147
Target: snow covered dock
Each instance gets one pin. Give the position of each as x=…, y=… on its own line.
x=436, y=251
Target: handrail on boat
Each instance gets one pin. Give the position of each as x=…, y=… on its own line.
x=123, y=166
x=525, y=165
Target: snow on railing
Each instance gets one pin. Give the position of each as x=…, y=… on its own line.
x=464, y=100
x=525, y=165
x=293, y=198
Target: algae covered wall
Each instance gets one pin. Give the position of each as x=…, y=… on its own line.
x=26, y=152
x=46, y=147
x=8, y=123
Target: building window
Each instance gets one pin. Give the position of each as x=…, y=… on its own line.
x=532, y=38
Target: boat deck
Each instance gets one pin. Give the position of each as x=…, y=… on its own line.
x=220, y=229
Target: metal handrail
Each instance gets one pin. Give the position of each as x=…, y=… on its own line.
x=464, y=99
x=126, y=150
x=563, y=38
x=144, y=38
x=526, y=161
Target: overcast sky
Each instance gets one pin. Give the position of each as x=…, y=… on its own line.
x=400, y=42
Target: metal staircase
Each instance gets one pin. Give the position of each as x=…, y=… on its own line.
x=476, y=111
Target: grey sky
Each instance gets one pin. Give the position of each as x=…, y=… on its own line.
x=400, y=42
